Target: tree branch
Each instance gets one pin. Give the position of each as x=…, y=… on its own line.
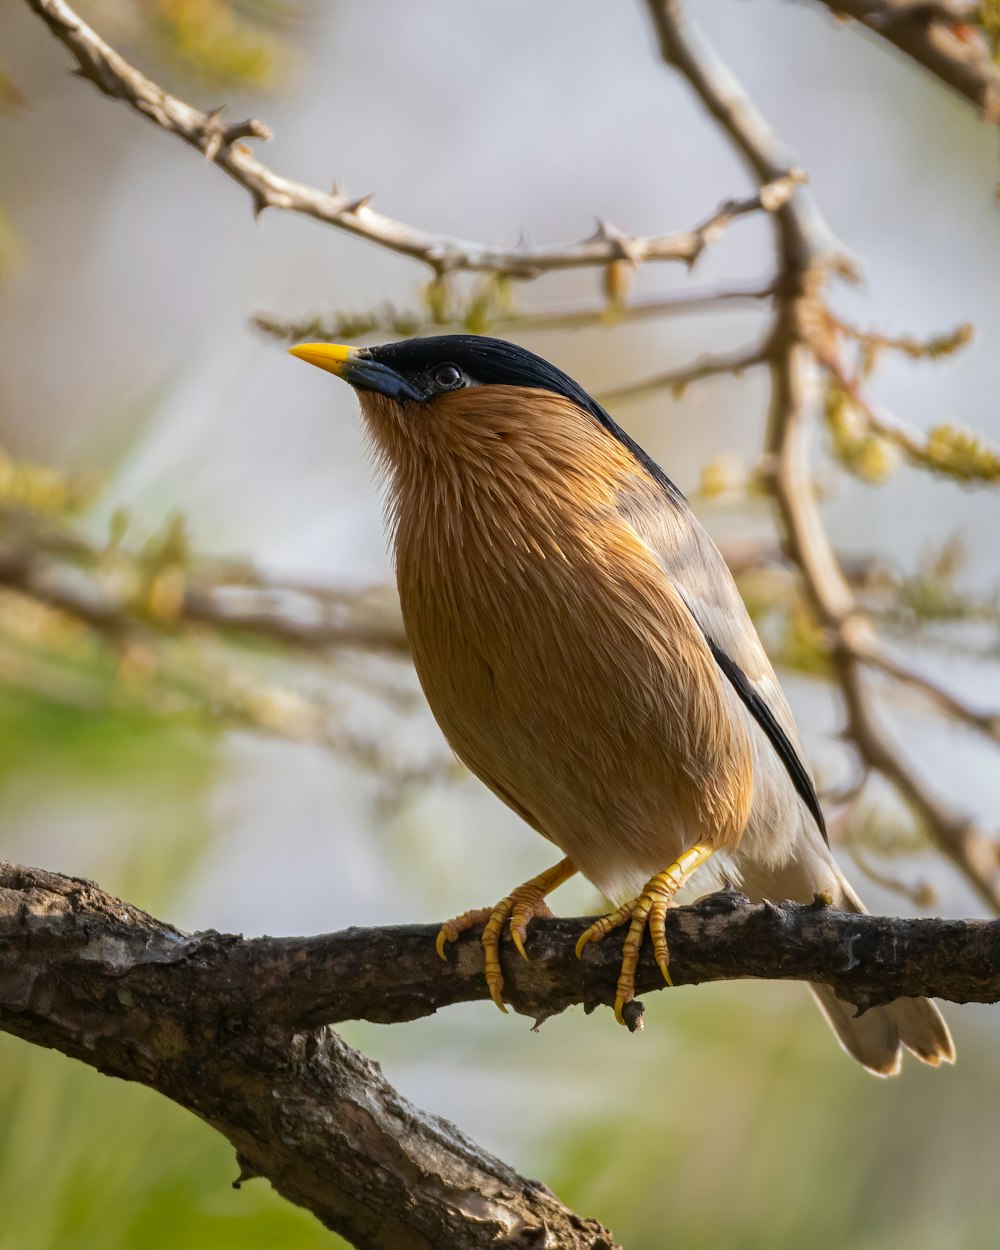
x=807, y=254
x=350, y=620
x=79, y=967
x=735, y=363
x=937, y=36
x=221, y=144
x=88, y=975
x=234, y=1030
x=389, y=320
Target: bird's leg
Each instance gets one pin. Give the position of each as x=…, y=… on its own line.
x=518, y=907
x=649, y=909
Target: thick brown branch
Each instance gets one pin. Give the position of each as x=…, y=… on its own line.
x=65, y=945
x=235, y=1030
x=88, y=975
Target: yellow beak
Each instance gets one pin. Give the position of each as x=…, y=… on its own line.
x=332, y=357
x=356, y=367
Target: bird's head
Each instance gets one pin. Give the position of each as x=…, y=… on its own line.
x=471, y=400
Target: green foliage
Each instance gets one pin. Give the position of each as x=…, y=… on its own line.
x=736, y=1122
x=222, y=45
x=989, y=18
x=863, y=452
x=88, y=1163
x=959, y=453
x=100, y=628
x=39, y=488
x=871, y=448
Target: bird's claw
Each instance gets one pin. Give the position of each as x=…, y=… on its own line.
x=519, y=908
x=648, y=911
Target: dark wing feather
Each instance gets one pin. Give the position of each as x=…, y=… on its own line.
x=764, y=717
x=694, y=564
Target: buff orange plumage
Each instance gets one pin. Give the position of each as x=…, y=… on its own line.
x=587, y=655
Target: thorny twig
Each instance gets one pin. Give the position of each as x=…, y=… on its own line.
x=807, y=255
x=222, y=144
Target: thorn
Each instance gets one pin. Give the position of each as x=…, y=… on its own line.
x=259, y=204
x=624, y=244
x=362, y=202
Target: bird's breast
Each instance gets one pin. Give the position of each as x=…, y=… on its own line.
x=568, y=675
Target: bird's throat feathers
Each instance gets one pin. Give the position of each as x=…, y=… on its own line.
x=504, y=471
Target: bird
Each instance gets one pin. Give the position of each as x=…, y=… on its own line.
x=587, y=654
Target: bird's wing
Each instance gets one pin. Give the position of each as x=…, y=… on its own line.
x=695, y=566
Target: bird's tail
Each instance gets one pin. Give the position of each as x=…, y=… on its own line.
x=876, y=1038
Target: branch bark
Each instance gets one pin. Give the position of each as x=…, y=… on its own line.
x=88, y=975
x=937, y=36
x=224, y=145
x=234, y=1029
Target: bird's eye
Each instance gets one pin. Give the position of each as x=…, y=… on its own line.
x=447, y=377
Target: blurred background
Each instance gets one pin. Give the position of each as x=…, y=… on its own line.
x=249, y=786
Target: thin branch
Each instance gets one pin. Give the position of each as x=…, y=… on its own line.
x=388, y=320
x=873, y=653
x=919, y=895
x=351, y=627
x=221, y=144
x=931, y=347
x=807, y=254
x=947, y=449
x=345, y=621
x=678, y=380
x=937, y=36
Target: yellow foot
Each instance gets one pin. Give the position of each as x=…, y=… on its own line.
x=519, y=907
x=648, y=910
